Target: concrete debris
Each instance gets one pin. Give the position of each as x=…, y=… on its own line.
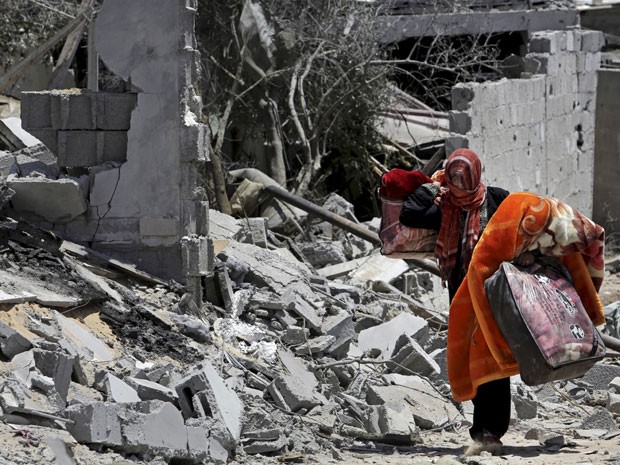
x=148, y=370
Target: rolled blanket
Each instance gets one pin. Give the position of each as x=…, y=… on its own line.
x=398, y=183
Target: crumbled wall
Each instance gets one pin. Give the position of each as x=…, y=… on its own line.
x=536, y=133
x=143, y=192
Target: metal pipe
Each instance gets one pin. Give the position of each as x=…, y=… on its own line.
x=343, y=223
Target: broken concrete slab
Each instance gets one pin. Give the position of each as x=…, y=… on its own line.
x=429, y=408
x=149, y=390
x=377, y=267
x=384, y=336
x=409, y=358
x=12, y=342
x=57, y=201
x=118, y=391
x=85, y=343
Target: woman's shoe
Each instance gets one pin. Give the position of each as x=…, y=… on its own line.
x=489, y=443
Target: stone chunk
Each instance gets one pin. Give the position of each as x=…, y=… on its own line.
x=96, y=423
x=410, y=358
x=149, y=390
x=427, y=406
x=11, y=342
x=204, y=393
x=118, y=391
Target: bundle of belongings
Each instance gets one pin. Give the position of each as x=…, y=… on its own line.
x=538, y=321
x=398, y=240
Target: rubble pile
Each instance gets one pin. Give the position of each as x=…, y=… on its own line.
x=302, y=347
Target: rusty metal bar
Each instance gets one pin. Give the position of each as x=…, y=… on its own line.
x=341, y=222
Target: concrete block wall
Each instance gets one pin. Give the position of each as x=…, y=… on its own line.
x=607, y=152
x=536, y=133
x=143, y=153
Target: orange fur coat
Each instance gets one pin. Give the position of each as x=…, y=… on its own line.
x=477, y=351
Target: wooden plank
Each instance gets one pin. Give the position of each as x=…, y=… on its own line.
x=69, y=48
x=17, y=71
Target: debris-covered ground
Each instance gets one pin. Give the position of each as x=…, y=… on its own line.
x=300, y=354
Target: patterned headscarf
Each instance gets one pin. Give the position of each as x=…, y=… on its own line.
x=454, y=200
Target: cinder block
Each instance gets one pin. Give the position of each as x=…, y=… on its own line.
x=90, y=148
x=462, y=96
x=542, y=42
x=74, y=110
x=58, y=367
x=159, y=226
x=36, y=112
x=592, y=41
x=198, y=255
x=536, y=63
x=96, y=423
x=195, y=143
x=77, y=148
x=216, y=400
x=460, y=122
x=111, y=146
x=114, y=110
x=49, y=138
x=456, y=142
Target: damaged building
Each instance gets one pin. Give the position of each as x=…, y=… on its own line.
x=139, y=325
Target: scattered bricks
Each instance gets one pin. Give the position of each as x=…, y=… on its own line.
x=462, y=95
x=36, y=112
x=159, y=226
x=116, y=390
x=409, y=358
x=591, y=41
x=613, y=403
x=11, y=342
x=74, y=110
x=96, y=423
x=197, y=254
x=292, y=394
x=114, y=110
x=57, y=366
x=384, y=336
x=149, y=390
x=218, y=401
